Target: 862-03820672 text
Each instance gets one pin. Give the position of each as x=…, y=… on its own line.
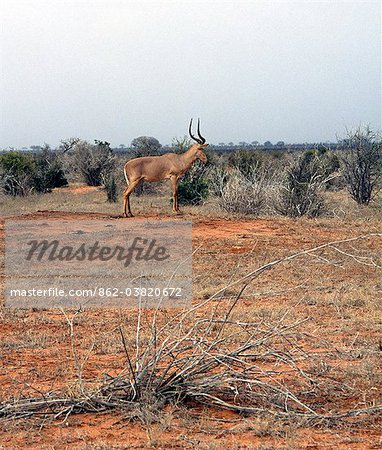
x=170, y=292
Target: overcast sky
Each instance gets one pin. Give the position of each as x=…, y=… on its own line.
x=252, y=70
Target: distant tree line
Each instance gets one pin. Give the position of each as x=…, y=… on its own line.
x=151, y=145
x=222, y=148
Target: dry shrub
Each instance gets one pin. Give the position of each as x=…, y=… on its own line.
x=300, y=191
x=93, y=162
x=240, y=194
x=361, y=163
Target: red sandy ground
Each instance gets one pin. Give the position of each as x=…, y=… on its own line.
x=35, y=351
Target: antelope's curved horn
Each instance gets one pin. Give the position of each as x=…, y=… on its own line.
x=200, y=136
x=193, y=137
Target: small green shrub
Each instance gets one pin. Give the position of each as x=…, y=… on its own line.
x=192, y=189
x=50, y=173
x=23, y=173
x=110, y=187
x=18, y=172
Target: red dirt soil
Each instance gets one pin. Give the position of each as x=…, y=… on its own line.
x=29, y=363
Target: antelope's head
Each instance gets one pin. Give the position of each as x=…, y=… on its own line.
x=200, y=146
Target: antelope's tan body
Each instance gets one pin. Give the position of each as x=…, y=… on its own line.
x=169, y=166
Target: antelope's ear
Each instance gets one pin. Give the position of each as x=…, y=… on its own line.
x=204, y=145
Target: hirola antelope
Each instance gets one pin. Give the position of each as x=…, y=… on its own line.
x=170, y=166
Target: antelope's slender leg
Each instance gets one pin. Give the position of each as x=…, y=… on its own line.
x=126, y=198
x=174, y=185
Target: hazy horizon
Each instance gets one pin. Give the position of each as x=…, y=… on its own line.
x=114, y=70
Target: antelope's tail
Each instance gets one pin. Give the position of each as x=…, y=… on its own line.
x=127, y=180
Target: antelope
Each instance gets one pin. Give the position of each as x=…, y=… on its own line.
x=170, y=166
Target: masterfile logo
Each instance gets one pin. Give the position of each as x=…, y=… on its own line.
x=98, y=263
x=140, y=250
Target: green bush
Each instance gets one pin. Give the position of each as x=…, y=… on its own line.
x=110, y=187
x=50, y=173
x=22, y=173
x=18, y=172
x=193, y=189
